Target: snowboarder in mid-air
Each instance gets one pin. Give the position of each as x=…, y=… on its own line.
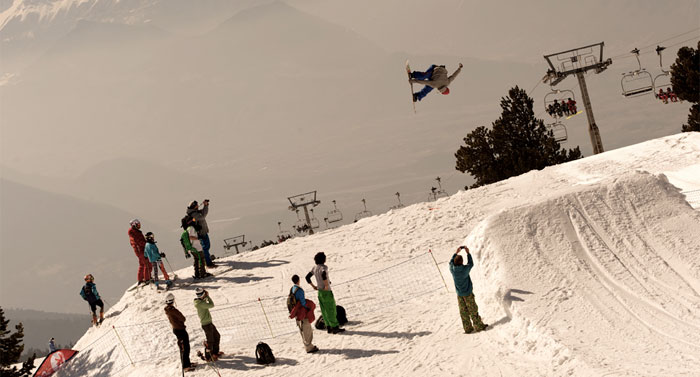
x=434, y=78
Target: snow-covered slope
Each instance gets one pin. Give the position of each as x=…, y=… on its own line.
x=589, y=268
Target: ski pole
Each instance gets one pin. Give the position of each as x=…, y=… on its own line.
x=171, y=267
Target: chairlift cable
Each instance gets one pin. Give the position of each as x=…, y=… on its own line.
x=628, y=54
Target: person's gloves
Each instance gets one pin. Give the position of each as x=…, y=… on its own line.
x=162, y=255
x=460, y=65
x=187, y=255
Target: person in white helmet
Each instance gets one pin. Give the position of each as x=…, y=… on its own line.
x=138, y=242
x=177, y=322
x=435, y=77
x=203, y=303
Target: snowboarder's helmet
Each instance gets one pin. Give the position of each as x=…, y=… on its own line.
x=149, y=236
x=89, y=277
x=169, y=299
x=199, y=292
x=193, y=204
x=134, y=222
x=446, y=91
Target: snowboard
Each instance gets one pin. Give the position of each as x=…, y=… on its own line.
x=219, y=271
x=573, y=115
x=408, y=72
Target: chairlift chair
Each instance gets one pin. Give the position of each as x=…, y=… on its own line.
x=559, y=95
x=364, y=213
x=283, y=234
x=662, y=81
x=559, y=131
x=400, y=205
x=334, y=215
x=315, y=224
x=638, y=82
x=299, y=224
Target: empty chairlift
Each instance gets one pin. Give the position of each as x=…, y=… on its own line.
x=313, y=220
x=364, y=213
x=638, y=82
x=400, y=205
x=334, y=215
x=558, y=131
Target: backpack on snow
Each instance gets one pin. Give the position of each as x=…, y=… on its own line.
x=263, y=354
x=291, y=300
x=340, y=315
x=320, y=323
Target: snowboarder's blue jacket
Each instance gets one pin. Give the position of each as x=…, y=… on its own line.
x=299, y=294
x=152, y=252
x=460, y=274
x=90, y=287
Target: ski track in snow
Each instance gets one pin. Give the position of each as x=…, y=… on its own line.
x=590, y=268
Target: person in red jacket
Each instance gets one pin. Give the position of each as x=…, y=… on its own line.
x=138, y=242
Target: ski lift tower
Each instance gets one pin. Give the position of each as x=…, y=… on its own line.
x=235, y=242
x=438, y=192
x=304, y=200
x=577, y=62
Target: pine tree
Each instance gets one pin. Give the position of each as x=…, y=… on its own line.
x=685, y=79
x=11, y=348
x=517, y=143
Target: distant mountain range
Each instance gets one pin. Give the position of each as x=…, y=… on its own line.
x=40, y=326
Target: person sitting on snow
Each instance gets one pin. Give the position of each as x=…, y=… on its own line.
x=434, y=78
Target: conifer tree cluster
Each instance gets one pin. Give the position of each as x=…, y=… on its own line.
x=11, y=348
x=685, y=78
x=517, y=143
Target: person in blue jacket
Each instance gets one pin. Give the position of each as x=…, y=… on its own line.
x=154, y=256
x=89, y=294
x=471, y=321
x=302, y=316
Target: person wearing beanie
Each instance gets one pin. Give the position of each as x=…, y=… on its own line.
x=154, y=256
x=433, y=78
x=203, y=303
x=177, y=322
x=325, y=295
x=471, y=321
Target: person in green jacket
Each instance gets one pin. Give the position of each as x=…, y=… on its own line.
x=471, y=321
x=203, y=303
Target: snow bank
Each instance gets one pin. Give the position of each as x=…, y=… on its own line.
x=589, y=268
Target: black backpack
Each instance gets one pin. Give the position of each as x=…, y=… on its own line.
x=263, y=354
x=340, y=315
x=320, y=323
x=89, y=296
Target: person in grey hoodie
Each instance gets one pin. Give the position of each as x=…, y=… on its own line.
x=434, y=78
x=200, y=216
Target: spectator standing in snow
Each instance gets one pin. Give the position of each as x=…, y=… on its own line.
x=465, y=296
x=200, y=215
x=191, y=244
x=89, y=294
x=325, y=295
x=154, y=257
x=303, y=313
x=138, y=242
x=52, y=345
x=434, y=78
x=203, y=303
x=177, y=322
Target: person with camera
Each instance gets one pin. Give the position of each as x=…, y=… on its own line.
x=200, y=215
x=203, y=303
x=468, y=310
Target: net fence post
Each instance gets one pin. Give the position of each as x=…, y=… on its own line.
x=123, y=346
x=266, y=319
x=438, y=268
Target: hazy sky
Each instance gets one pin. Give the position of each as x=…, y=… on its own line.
x=128, y=108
